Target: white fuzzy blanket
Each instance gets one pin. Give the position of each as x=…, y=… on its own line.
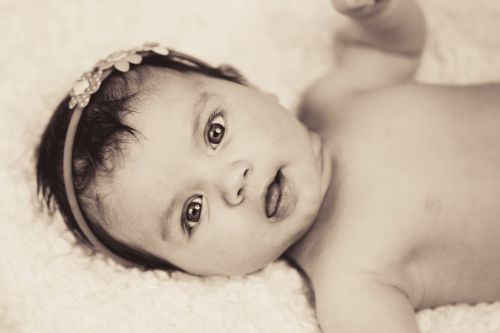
x=48, y=284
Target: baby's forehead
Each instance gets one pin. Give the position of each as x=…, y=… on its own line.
x=164, y=81
x=162, y=91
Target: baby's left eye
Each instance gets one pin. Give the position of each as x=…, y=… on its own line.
x=192, y=213
x=215, y=130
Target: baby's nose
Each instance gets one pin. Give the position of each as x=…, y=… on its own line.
x=234, y=180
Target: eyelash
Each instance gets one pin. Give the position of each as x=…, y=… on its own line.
x=197, y=199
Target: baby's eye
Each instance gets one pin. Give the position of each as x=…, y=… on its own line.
x=216, y=127
x=192, y=213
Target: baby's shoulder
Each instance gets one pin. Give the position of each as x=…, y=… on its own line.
x=328, y=104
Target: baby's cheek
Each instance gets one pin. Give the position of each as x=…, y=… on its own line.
x=237, y=256
x=236, y=233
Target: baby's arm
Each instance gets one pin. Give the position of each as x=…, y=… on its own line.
x=396, y=26
x=357, y=303
x=381, y=45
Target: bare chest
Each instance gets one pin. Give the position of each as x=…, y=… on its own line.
x=418, y=192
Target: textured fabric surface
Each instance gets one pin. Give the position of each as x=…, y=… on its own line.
x=49, y=284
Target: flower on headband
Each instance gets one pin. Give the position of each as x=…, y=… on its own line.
x=154, y=47
x=82, y=89
x=89, y=82
x=121, y=60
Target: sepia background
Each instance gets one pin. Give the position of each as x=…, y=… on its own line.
x=49, y=284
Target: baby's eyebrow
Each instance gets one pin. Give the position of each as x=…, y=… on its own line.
x=198, y=109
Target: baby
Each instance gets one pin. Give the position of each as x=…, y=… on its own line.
x=389, y=199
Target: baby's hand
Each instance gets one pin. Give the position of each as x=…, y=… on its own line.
x=357, y=8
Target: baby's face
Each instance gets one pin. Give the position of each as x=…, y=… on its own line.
x=195, y=188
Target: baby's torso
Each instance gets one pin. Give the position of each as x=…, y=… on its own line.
x=416, y=193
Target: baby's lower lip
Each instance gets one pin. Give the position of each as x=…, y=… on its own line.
x=287, y=200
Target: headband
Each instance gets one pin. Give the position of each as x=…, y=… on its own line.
x=89, y=84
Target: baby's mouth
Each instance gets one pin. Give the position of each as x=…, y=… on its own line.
x=273, y=195
x=279, y=200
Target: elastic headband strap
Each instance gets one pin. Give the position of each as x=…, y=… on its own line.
x=70, y=189
x=71, y=195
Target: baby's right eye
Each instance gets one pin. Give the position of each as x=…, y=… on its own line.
x=192, y=213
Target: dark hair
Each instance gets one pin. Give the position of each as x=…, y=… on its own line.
x=99, y=140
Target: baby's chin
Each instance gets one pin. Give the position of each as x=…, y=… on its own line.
x=276, y=254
